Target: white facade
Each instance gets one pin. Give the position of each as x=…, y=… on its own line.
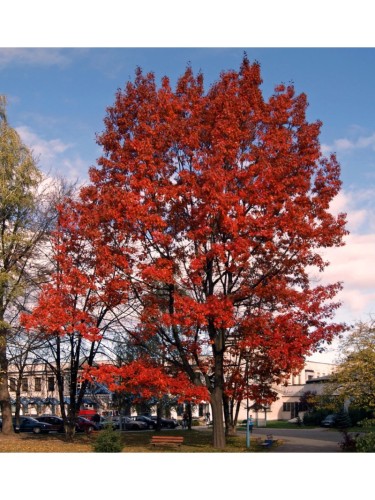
x=39, y=392
x=287, y=404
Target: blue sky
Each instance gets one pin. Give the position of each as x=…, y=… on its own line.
x=57, y=100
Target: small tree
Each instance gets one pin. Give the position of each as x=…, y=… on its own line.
x=353, y=383
x=27, y=215
x=343, y=420
x=76, y=309
x=309, y=401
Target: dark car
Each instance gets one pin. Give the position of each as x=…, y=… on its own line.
x=14, y=425
x=133, y=425
x=167, y=423
x=56, y=422
x=85, y=425
x=329, y=420
x=151, y=424
x=102, y=422
x=29, y=424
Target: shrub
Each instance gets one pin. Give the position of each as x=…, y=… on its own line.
x=366, y=443
x=343, y=420
x=108, y=441
x=314, y=417
x=349, y=442
x=367, y=423
x=356, y=415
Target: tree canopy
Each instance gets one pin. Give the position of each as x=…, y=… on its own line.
x=214, y=206
x=27, y=215
x=353, y=383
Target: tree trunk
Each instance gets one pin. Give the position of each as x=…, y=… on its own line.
x=6, y=407
x=230, y=428
x=190, y=416
x=217, y=418
x=217, y=388
x=70, y=428
x=158, y=416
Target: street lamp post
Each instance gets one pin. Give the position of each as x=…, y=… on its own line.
x=247, y=404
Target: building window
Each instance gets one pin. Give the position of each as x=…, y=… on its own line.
x=38, y=384
x=201, y=410
x=12, y=384
x=51, y=383
x=293, y=407
x=25, y=384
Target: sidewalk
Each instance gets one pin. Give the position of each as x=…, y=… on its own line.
x=303, y=441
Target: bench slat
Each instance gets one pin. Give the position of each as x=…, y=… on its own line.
x=167, y=440
x=179, y=438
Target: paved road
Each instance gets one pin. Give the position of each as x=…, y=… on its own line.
x=303, y=440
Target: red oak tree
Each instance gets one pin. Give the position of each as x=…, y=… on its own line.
x=223, y=198
x=215, y=205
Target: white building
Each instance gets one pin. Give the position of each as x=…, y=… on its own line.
x=287, y=406
x=39, y=394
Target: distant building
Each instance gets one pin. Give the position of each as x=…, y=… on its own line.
x=39, y=394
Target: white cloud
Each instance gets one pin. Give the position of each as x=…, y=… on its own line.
x=51, y=157
x=354, y=263
x=31, y=56
x=343, y=144
x=72, y=169
x=359, y=206
x=44, y=149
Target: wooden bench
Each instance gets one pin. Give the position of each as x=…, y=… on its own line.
x=167, y=440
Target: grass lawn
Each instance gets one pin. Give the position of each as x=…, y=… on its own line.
x=134, y=442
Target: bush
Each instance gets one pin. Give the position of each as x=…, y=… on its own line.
x=349, y=442
x=108, y=441
x=356, y=415
x=366, y=443
x=314, y=417
x=343, y=420
x=367, y=423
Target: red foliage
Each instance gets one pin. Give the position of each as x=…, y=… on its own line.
x=147, y=380
x=215, y=206
x=224, y=197
x=86, y=284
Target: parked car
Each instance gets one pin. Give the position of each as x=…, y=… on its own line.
x=29, y=424
x=102, y=422
x=151, y=424
x=329, y=420
x=15, y=427
x=56, y=422
x=133, y=425
x=168, y=423
x=85, y=425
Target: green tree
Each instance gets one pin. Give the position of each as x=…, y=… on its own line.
x=27, y=214
x=353, y=383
